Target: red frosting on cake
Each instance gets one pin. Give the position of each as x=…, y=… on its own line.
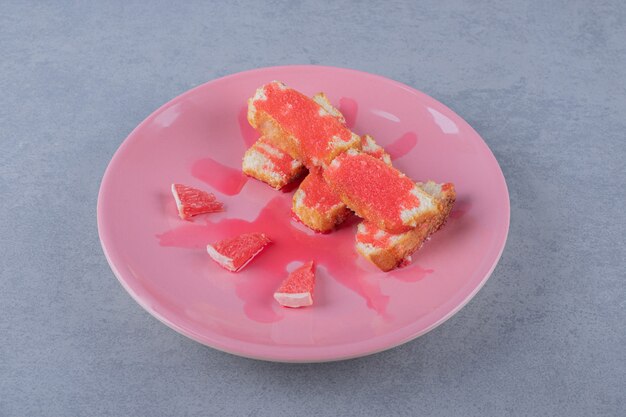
x=368, y=235
x=300, y=116
x=377, y=153
x=317, y=192
x=376, y=191
x=282, y=164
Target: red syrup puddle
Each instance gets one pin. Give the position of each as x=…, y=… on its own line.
x=402, y=145
x=255, y=285
x=349, y=108
x=224, y=179
x=248, y=134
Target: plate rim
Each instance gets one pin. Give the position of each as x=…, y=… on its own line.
x=318, y=354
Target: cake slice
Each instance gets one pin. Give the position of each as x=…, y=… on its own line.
x=299, y=125
x=316, y=205
x=191, y=201
x=268, y=163
x=297, y=289
x=380, y=193
x=388, y=251
x=235, y=253
x=445, y=193
x=367, y=144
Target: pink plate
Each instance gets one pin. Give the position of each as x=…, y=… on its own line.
x=199, y=138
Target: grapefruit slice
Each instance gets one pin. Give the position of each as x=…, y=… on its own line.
x=297, y=290
x=235, y=253
x=191, y=201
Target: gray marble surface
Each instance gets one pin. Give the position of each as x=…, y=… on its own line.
x=542, y=82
